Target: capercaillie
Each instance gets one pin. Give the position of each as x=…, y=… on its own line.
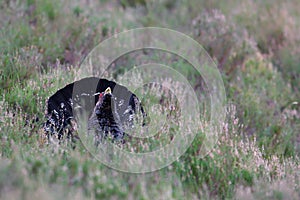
x=83, y=96
x=105, y=120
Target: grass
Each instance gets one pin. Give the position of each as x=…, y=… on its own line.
x=257, y=154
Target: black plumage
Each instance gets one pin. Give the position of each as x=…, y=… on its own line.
x=82, y=96
x=105, y=120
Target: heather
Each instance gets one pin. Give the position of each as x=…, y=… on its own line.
x=255, y=45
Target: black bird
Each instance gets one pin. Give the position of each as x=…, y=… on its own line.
x=81, y=97
x=105, y=120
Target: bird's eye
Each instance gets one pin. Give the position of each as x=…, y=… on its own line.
x=100, y=95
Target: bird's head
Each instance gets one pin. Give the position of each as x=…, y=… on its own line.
x=105, y=101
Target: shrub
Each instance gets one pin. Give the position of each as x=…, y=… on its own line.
x=227, y=43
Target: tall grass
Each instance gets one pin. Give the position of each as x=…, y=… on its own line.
x=256, y=46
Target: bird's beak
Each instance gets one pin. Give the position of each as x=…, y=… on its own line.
x=107, y=91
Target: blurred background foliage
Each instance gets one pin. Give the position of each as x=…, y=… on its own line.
x=256, y=46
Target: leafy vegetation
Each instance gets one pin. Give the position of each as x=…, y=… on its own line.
x=256, y=46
